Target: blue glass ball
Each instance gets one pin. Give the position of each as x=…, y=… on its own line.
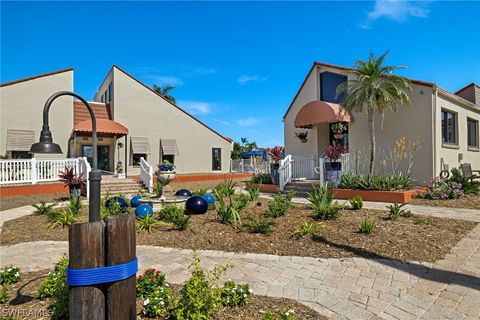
x=135, y=201
x=121, y=201
x=183, y=193
x=143, y=210
x=209, y=198
x=196, y=205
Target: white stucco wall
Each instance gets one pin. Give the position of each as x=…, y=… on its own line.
x=21, y=107
x=309, y=92
x=145, y=114
x=452, y=155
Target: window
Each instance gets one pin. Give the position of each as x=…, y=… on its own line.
x=472, y=133
x=449, y=127
x=169, y=157
x=136, y=158
x=329, y=82
x=216, y=159
x=109, y=92
x=21, y=155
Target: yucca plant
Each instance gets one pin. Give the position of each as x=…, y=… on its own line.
x=367, y=226
x=43, y=208
x=158, y=188
x=64, y=218
x=306, y=228
x=225, y=188
x=261, y=225
x=254, y=191
x=356, y=203
x=396, y=210
x=280, y=204
x=323, y=205
x=147, y=223
x=75, y=204
x=228, y=210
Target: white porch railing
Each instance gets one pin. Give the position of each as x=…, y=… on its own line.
x=32, y=171
x=146, y=174
x=303, y=167
x=85, y=168
x=285, y=171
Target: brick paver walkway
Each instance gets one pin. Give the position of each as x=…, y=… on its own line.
x=351, y=288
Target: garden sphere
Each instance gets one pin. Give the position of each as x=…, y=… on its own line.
x=121, y=201
x=135, y=201
x=209, y=198
x=143, y=210
x=183, y=193
x=196, y=205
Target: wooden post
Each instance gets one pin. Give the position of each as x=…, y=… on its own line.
x=86, y=250
x=121, y=248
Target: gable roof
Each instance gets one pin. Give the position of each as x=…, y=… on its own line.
x=334, y=66
x=169, y=102
x=35, y=77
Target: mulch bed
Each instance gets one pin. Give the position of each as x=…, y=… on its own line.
x=465, y=202
x=20, y=201
x=23, y=298
x=419, y=238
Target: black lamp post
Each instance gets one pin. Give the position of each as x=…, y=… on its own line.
x=46, y=145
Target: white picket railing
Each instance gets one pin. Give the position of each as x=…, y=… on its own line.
x=146, y=174
x=85, y=168
x=32, y=171
x=303, y=167
x=285, y=171
x=249, y=166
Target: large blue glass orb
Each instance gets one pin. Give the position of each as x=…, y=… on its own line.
x=209, y=198
x=183, y=193
x=135, y=201
x=121, y=201
x=196, y=205
x=143, y=210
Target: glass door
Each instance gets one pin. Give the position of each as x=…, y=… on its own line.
x=103, y=156
x=216, y=159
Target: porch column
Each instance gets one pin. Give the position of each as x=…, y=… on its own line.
x=126, y=164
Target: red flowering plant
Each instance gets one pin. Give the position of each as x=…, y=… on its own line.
x=150, y=280
x=69, y=177
x=334, y=151
x=276, y=153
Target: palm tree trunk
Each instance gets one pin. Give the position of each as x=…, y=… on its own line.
x=371, y=131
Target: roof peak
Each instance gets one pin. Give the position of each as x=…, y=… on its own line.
x=35, y=77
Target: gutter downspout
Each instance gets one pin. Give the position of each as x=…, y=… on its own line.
x=434, y=127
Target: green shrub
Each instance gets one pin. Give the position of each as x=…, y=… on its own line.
x=261, y=225
x=4, y=294
x=392, y=182
x=159, y=303
x=324, y=207
x=282, y=314
x=242, y=201
x=356, y=203
x=396, y=210
x=157, y=188
x=226, y=188
x=174, y=215
x=43, y=208
x=280, y=204
x=367, y=226
x=75, y=204
x=150, y=280
x=147, y=223
x=9, y=275
x=262, y=178
x=441, y=189
x=469, y=186
x=199, y=297
x=55, y=287
x=253, y=191
x=235, y=294
x=305, y=229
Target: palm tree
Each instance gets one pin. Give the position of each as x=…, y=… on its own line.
x=374, y=87
x=164, y=92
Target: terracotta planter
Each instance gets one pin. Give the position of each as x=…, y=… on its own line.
x=267, y=188
x=379, y=196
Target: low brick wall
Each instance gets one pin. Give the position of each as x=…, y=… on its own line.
x=41, y=188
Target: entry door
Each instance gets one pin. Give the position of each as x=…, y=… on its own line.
x=216, y=159
x=103, y=156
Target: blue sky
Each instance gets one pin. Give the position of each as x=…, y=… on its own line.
x=237, y=65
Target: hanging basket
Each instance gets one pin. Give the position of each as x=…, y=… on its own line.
x=338, y=136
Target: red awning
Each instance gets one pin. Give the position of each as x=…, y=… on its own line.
x=317, y=112
x=104, y=126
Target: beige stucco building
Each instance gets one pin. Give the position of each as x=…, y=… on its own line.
x=132, y=122
x=446, y=124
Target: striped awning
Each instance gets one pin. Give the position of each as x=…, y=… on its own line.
x=140, y=145
x=20, y=140
x=169, y=146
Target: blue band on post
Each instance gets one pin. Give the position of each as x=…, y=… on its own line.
x=86, y=277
